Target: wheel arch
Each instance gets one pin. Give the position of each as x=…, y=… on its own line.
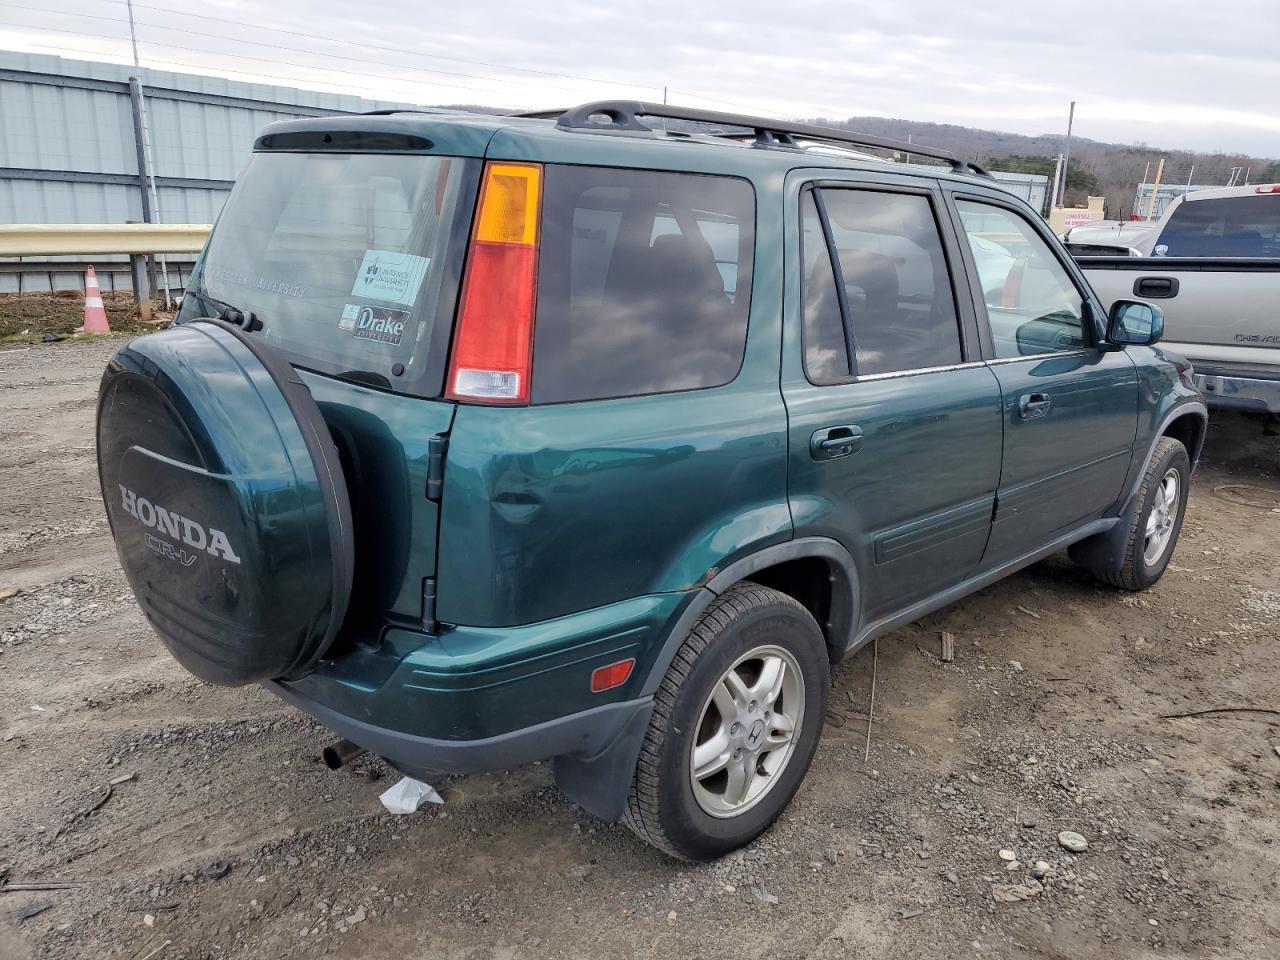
x=1189, y=428
x=817, y=572
x=1187, y=420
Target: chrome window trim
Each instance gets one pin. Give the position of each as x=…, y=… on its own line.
x=1081, y=352
x=968, y=364
x=894, y=374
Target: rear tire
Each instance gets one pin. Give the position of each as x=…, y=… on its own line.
x=735, y=725
x=1157, y=521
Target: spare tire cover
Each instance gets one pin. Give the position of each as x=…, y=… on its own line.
x=226, y=500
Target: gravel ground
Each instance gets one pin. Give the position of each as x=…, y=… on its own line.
x=195, y=821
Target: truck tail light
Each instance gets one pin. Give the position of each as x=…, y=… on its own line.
x=1268, y=188
x=493, y=345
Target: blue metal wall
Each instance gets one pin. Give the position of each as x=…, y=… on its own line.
x=67, y=151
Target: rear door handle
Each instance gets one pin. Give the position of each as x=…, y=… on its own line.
x=1032, y=406
x=833, y=442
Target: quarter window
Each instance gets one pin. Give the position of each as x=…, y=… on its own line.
x=1033, y=307
x=897, y=288
x=644, y=282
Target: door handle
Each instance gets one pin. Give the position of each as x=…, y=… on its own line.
x=1156, y=288
x=833, y=442
x=1032, y=406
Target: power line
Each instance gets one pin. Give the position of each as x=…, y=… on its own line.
x=325, y=67
x=387, y=48
x=350, y=43
x=282, y=63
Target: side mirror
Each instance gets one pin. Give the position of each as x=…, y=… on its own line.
x=1134, y=323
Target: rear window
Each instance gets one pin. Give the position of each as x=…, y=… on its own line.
x=644, y=282
x=1230, y=227
x=350, y=261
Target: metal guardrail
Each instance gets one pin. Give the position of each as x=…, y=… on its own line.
x=94, y=239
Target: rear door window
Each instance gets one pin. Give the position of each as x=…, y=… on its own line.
x=644, y=282
x=890, y=266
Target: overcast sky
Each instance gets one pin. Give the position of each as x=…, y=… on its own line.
x=1178, y=73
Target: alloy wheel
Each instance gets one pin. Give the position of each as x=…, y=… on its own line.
x=747, y=731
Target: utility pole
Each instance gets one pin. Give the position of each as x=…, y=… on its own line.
x=143, y=129
x=1155, y=188
x=1066, y=153
x=1057, y=180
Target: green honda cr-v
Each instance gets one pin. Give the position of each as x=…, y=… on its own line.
x=600, y=437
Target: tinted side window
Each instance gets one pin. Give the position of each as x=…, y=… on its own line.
x=826, y=356
x=896, y=283
x=1033, y=307
x=644, y=282
x=1230, y=227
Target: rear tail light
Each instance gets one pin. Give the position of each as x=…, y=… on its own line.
x=493, y=345
x=1268, y=188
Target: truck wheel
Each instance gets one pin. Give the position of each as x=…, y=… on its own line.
x=1157, y=521
x=735, y=724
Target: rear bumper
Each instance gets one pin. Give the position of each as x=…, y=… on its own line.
x=475, y=699
x=587, y=735
x=1233, y=391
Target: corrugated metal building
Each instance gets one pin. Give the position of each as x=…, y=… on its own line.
x=68, y=153
x=1031, y=187
x=1167, y=193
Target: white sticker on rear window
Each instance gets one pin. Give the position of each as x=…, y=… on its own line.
x=391, y=276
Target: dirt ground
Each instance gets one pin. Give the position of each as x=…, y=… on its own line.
x=230, y=840
x=27, y=317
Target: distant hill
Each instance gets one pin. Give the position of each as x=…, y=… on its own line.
x=1112, y=170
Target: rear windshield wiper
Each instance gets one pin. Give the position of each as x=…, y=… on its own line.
x=245, y=319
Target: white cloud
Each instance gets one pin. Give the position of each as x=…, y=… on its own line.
x=1176, y=73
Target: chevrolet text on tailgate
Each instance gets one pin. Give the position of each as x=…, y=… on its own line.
x=486, y=440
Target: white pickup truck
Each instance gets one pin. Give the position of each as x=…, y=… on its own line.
x=1212, y=262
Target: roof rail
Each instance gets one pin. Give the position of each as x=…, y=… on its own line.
x=392, y=111
x=622, y=114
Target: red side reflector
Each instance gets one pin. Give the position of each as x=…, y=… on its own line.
x=614, y=675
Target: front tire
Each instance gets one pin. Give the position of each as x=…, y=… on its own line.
x=1157, y=521
x=735, y=725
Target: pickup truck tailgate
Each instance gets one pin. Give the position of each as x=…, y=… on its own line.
x=1222, y=314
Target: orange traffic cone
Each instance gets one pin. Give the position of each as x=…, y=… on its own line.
x=95, y=317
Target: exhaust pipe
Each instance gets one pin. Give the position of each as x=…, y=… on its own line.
x=341, y=752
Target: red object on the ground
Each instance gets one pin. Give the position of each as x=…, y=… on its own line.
x=95, y=315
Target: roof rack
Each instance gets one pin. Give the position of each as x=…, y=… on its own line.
x=621, y=115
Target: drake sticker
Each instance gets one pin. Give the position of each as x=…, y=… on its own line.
x=374, y=323
x=391, y=276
